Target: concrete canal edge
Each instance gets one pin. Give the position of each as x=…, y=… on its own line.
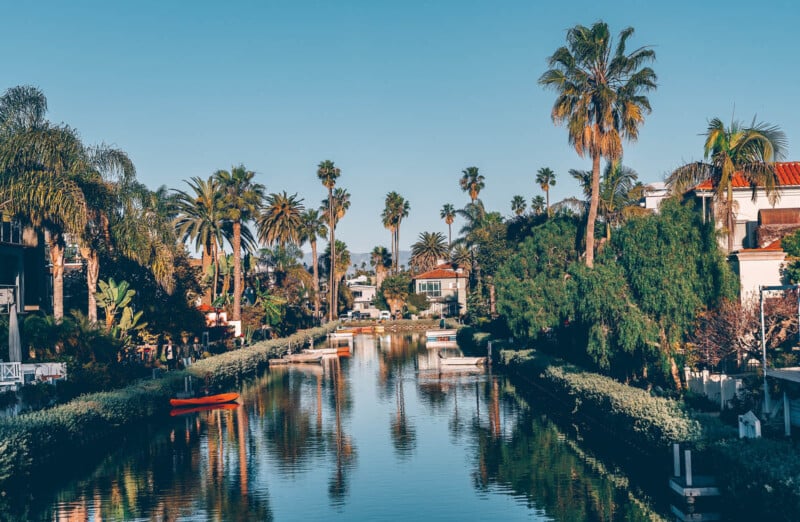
x=34, y=442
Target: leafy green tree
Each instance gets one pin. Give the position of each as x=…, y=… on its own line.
x=340, y=266
x=472, y=182
x=381, y=260
x=518, y=205
x=546, y=178
x=200, y=219
x=395, y=209
x=620, y=193
x=448, y=213
x=428, y=250
x=601, y=97
x=791, y=270
x=750, y=151
x=241, y=199
x=534, y=292
x=115, y=300
x=395, y=290
x=538, y=205
x=281, y=219
x=328, y=173
x=313, y=227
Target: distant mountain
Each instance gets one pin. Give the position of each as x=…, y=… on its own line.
x=358, y=258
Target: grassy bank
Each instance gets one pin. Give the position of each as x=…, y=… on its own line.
x=33, y=441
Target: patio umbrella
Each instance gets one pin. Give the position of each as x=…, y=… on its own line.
x=14, y=342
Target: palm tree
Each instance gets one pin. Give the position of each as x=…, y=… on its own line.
x=601, y=97
x=144, y=231
x=340, y=204
x=538, y=205
x=448, y=213
x=748, y=151
x=32, y=176
x=327, y=173
x=472, y=182
x=381, y=259
x=546, y=178
x=518, y=205
x=281, y=219
x=340, y=265
x=241, y=199
x=313, y=226
x=428, y=251
x=395, y=210
x=620, y=193
x=200, y=219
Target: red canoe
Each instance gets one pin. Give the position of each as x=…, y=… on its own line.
x=211, y=407
x=208, y=400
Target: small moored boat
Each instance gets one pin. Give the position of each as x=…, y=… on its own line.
x=208, y=400
x=196, y=409
x=461, y=361
x=440, y=335
x=303, y=358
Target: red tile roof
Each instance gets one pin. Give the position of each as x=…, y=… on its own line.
x=788, y=176
x=443, y=271
x=775, y=246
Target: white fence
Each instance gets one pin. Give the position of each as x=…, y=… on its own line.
x=16, y=374
x=718, y=387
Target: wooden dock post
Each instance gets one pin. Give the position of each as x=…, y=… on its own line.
x=787, y=416
x=688, y=458
x=676, y=459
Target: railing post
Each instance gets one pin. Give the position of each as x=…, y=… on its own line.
x=688, y=459
x=676, y=459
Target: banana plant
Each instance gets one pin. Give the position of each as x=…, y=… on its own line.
x=113, y=298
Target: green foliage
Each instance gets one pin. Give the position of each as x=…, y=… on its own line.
x=635, y=306
x=791, y=271
x=651, y=423
x=534, y=290
x=759, y=478
x=395, y=290
x=33, y=441
x=114, y=299
x=417, y=303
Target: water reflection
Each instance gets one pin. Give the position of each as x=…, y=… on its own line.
x=311, y=442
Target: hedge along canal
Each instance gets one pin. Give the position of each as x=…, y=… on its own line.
x=43, y=440
x=759, y=479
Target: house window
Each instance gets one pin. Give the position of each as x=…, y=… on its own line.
x=430, y=288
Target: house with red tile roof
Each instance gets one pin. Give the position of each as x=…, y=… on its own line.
x=446, y=290
x=760, y=226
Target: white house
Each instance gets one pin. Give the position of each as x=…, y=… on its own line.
x=445, y=288
x=760, y=225
x=363, y=298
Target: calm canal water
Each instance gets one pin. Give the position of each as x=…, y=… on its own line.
x=381, y=435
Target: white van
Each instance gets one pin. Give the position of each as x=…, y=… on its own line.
x=385, y=315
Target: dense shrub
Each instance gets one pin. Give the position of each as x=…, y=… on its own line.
x=651, y=423
x=30, y=441
x=760, y=478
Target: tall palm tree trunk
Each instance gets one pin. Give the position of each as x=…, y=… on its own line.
x=449, y=236
x=315, y=265
x=216, y=274
x=206, y=264
x=237, y=271
x=547, y=200
x=593, y=204
x=331, y=289
x=92, y=275
x=57, y=260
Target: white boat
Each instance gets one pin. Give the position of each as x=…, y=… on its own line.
x=462, y=361
x=303, y=358
x=321, y=351
x=341, y=335
x=440, y=335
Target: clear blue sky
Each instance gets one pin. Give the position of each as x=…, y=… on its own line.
x=402, y=95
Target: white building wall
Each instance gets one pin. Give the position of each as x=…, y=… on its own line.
x=759, y=268
x=747, y=212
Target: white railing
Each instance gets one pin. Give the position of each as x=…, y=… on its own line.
x=10, y=373
x=718, y=387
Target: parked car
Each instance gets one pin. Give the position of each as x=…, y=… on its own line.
x=385, y=315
